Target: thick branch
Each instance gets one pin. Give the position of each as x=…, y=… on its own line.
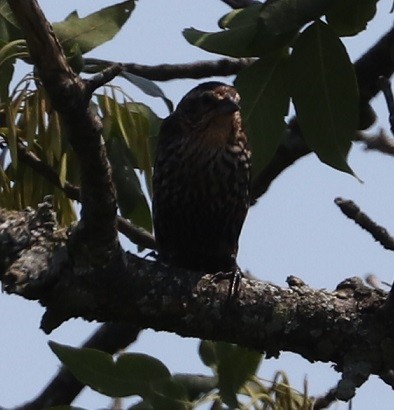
x=338, y=327
x=70, y=97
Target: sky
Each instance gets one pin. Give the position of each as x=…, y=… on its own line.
x=295, y=229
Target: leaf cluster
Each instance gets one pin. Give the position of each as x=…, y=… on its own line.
x=29, y=124
x=299, y=57
x=234, y=383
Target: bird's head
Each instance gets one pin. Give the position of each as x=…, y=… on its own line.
x=207, y=102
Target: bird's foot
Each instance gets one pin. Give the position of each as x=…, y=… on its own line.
x=234, y=276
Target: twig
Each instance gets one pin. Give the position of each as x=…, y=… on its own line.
x=36, y=164
x=135, y=234
x=380, y=142
x=385, y=86
x=325, y=401
x=352, y=211
x=166, y=72
x=102, y=78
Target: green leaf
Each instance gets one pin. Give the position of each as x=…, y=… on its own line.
x=7, y=14
x=196, y=385
x=148, y=87
x=75, y=59
x=323, y=86
x=169, y=395
x=12, y=135
x=264, y=104
x=130, y=374
x=240, y=38
x=281, y=16
x=10, y=51
x=94, y=29
x=238, y=42
x=137, y=125
x=349, y=17
x=6, y=74
x=236, y=366
x=241, y=17
x=233, y=365
x=207, y=353
x=63, y=169
x=134, y=123
x=260, y=29
x=131, y=200
x=9, y=27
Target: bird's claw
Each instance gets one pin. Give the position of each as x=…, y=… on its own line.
x=234, y=276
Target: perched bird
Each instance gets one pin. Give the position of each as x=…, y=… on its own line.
x=201, y=181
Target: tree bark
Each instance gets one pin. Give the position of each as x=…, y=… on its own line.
x=351, y=327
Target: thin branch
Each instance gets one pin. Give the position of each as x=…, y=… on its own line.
x=46, y=171
x=352, y=211
x=166, y=72
x=135, y=233
x=380, y=142
x=102, y=78
x=323, y=402
x=385, y=86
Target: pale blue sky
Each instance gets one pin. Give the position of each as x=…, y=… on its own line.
x=294, y=229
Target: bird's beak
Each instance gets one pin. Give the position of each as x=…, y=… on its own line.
x=227, y=105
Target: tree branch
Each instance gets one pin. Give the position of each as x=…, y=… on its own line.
x=70, y=96
x=339, y=326
x=380, y=142
x=352, y=211
x=166, y=72
x=385, y=86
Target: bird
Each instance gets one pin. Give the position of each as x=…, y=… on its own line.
x=201, y=182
